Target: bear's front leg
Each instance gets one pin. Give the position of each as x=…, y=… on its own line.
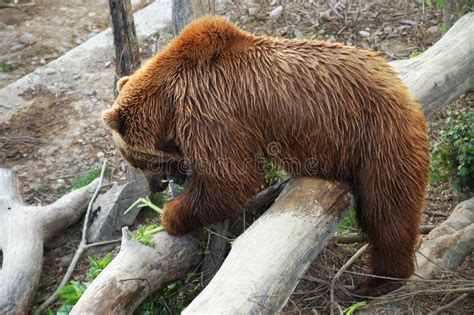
x=206, y=200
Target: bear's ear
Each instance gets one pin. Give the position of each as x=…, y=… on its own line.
x=121, y=82
x=114, y=120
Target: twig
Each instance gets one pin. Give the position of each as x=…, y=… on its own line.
x=443, y=308
x=357, y=238
x=102, y=243
x=341, y=271
x=82, y=246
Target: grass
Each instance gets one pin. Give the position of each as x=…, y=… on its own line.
x=349, y=223
x=88, y=178
x=6, y=67
x=172, y=299
x=415, y=53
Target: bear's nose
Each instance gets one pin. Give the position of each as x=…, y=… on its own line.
x=157, y=184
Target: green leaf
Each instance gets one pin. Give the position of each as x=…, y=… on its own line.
x=354, y=307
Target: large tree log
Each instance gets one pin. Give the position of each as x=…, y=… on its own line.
x=239, y=290
x=268, y=260
x=23, y=231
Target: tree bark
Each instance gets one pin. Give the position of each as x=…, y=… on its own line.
x=23, y=231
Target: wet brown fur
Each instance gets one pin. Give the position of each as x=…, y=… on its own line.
x=224, y=98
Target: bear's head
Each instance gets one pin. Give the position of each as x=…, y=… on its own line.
x=141, y=120
x=151, y=106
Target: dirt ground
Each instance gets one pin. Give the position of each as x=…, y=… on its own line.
x=33, y=36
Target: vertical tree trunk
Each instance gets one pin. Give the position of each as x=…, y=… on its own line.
x=450, y=8
x=127, y=53
x=186, y=11
x=125, y=39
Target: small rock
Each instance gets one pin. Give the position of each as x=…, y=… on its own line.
x=433, y=29
x=42, y=61
x=61, y=182
x=49, y=71
x=325, y=15
x=364, y=33
x=299, y=34
x=77, y=76
x=107, y=64
x=403, y=27
x=100, y=155
x=321, y=32
x=253, y=11
x=78, y=41
x=16, y=47
x=28, y=39
x=408, y=22
x=276, y=13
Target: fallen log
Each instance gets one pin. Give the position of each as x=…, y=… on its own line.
x=136, y=272
x=443, y=72
x=23, y=232
x=268, y=260
x=252, y=279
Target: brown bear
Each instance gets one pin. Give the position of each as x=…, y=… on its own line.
x=222, y=99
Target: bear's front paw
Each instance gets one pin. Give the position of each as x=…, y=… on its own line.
x=175, y=220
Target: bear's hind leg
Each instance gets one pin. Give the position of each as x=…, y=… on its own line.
x=391, y=223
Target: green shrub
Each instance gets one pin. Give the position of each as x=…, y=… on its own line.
x=97, y=265
x=70, y=294
x=453, y=156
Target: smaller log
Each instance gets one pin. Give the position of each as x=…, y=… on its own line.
x=267, y=261
x=23, y=232
x=447, y=245
x=137, y=271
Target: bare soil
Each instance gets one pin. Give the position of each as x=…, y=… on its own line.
x=36, y=142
